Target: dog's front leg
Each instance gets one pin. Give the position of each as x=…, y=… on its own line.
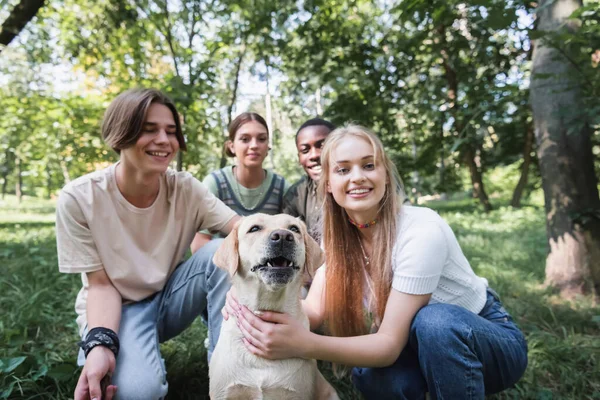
x=324, y=390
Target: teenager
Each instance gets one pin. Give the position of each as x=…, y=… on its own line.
x=126, y=229
x=397, y=295
x=247, y=188
x=301, y=199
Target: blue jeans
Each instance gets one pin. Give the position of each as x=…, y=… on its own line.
x=451, y=353
x=196, y=287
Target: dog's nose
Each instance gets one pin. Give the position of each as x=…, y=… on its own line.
x=280, y=235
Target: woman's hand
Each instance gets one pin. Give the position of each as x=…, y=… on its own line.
x=272, y=335
x=231, y=304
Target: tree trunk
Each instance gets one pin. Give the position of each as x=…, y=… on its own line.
x=414, y=176
x=442, y=169
x=318, y=106
x=566, y=162
x=4, y=182
x=5, y=172
x=236, y=83
x=18, y=18
x=468, y=156
x=179, y=161
x=19, y=183
x=179, y=158
x=269, y=116
x=518, y=192
x=48, y=181
x=65, y=170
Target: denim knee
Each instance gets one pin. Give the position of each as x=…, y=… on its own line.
x=393, y=382
x=139, y=385
x=467, y=352
x=436, y=327
x=207, y=251
x=368, y=383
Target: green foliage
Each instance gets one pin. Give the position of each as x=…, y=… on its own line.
x=432, y=78
x=36, y=355
x=393, y=68
x=501, y=180
x=53, y=140
x=508, y=247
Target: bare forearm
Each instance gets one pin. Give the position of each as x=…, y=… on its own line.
x=313, y=304
x=199, y=240
x=314, y=318
x=374, y=350
x=104, y=307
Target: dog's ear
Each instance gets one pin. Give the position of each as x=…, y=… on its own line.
x=227, y=256
x=314, y=255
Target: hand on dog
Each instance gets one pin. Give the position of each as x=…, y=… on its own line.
x=231, y=304
x=271, y=334
x=99, y=364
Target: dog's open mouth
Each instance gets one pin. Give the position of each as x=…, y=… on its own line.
x=275, y=263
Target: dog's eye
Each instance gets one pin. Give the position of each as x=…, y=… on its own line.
x=254, y=228
x=294, y=228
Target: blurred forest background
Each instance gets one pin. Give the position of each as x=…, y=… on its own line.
x=490, y=109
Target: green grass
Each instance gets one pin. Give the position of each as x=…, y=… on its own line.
x=508, y=247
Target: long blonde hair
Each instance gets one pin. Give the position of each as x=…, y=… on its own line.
x=345, y=279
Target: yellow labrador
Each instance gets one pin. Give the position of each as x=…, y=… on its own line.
x=266, y=256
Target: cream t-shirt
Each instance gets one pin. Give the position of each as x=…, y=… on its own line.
x=97, y=228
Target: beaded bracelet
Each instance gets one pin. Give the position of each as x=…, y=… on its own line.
x=100, y=336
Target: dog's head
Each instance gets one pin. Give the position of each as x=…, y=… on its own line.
x=276, y=249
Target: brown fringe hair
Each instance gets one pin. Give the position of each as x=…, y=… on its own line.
x=237, y=123
x=124, y=118
x=344, y=310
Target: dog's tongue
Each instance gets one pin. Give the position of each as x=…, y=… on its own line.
x=279, y=262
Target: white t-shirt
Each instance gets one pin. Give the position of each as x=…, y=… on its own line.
x=428, y=259
x=97, y=228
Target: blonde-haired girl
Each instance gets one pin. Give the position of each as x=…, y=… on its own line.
x=397, y=294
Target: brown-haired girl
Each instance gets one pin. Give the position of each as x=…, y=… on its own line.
x=247, y=188
x=397, y=295
x=126, y=229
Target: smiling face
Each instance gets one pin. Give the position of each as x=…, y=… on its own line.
x=309, y=143
x=250, y=144
x=157, y=144
x=356, y=180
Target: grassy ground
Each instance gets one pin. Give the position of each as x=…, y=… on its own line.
x=38, y=332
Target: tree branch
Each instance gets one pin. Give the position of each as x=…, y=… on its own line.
x=169, y=38
x=18, y=18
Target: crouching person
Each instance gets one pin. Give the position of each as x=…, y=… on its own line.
x=126, y=229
